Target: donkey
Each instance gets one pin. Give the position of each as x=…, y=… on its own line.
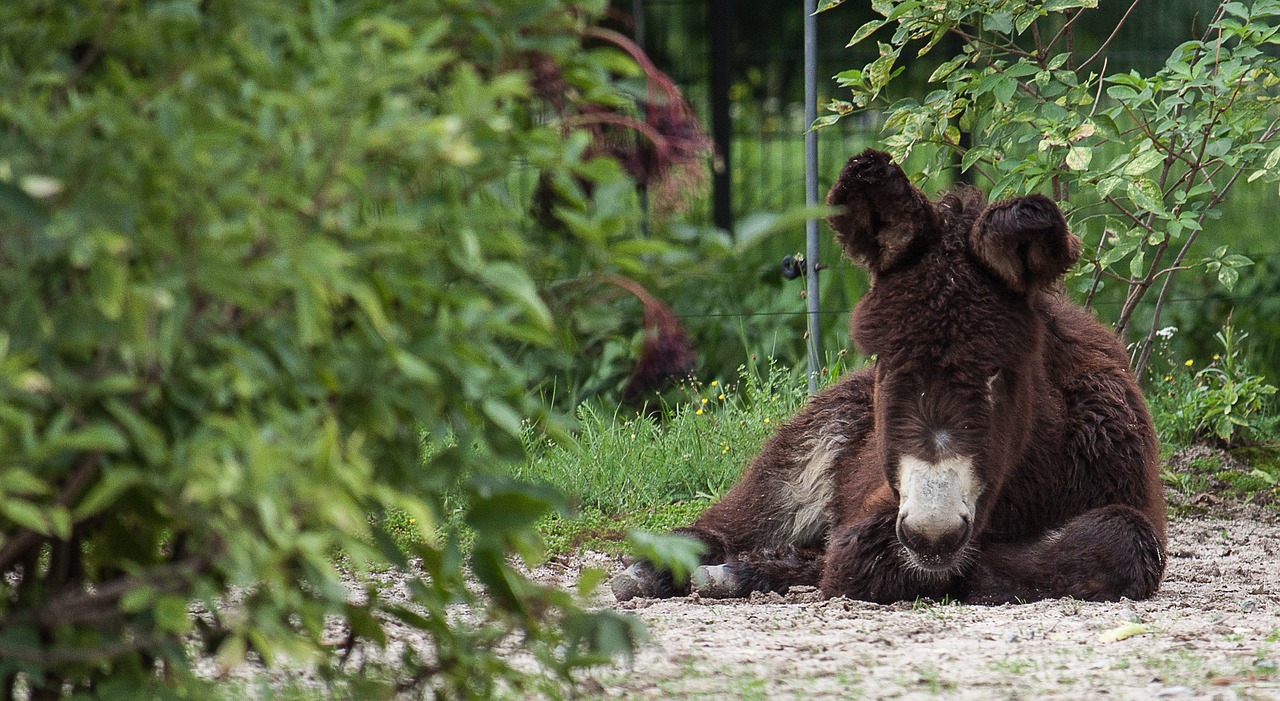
x=998, y=449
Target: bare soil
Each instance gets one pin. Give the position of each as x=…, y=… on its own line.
x=1212, y=632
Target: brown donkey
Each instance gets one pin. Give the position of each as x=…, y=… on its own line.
x=998, y=450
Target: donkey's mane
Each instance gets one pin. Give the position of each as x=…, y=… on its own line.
x=961, y=206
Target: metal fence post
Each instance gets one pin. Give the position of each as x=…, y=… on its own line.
x=811, y=180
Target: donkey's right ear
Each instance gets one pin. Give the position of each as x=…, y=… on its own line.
x=883, y=219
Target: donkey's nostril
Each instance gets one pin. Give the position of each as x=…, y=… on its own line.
x=935, y=543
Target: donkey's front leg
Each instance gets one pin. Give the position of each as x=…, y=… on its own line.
x=866, y=561
x=1101, y=555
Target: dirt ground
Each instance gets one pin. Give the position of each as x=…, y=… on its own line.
x=1212, y=632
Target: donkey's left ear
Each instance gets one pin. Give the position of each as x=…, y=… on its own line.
x=1025, y=242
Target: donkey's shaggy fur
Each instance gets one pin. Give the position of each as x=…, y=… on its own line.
x=998, y=450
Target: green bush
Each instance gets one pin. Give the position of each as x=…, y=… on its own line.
x=251, y=252
x=1223, y=401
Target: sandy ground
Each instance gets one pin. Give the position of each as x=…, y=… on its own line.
x=1212, y=632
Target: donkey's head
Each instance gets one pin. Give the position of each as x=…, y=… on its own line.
x=951, y=318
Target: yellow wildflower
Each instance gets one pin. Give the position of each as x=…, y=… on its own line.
x=720, y=397
x=715, y=383
x=1189, y=362
x=704, y=400
x=698, y=412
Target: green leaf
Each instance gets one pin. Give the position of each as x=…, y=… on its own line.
x=1228, y=276
x=137, y=599
x=146, y=438
x=113, y=483
x=825, y=120
x=1146, y=194
x=1273, y=159
x=590, y=579
x=1079, y=157
x=975, y=155
x=1005, y=89
x=1060, y=5
x=1143, y=162
x=26, y=515
x=515, y=284
x=365, y=625
x=1025, y=19
x=1108, y=185
x=864, y=31
x=999, y=22
x=1137, y=264
x=765, y=226
x=59, y=522
x=19, y=482
x=21, y=206
x=170, y=612
x=676, y=553
x=1218, y=148
x=947, y=68
x=879, y=71
x=512, y=509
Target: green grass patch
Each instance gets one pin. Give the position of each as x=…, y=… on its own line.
x=658, y=470
x=593, y=529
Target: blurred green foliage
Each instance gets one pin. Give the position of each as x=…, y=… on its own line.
x=251, y=253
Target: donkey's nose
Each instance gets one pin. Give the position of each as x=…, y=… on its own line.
x=935, y=541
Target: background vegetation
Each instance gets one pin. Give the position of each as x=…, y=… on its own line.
x=294, y=293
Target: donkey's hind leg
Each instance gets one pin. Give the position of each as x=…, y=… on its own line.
x=1101, y=555
x=783, y=504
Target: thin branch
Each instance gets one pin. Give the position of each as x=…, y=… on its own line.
x=99, y=604
x=1075, y=15
x=1149, y=342
x=1098, y=270
x=1132, y=217
x=974, y=39
x=1114, y=32
x=1097, y=99
x=69, y=655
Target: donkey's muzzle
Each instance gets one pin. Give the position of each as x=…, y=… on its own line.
x=935, y=545
x=936, y=509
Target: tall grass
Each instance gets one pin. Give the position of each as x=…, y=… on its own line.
x=692, y=449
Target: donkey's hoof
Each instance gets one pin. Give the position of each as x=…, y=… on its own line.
x=638, y=580
x=715, y=582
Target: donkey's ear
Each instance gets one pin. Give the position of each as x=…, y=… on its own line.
x=1025, y=242
x=883, y=219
